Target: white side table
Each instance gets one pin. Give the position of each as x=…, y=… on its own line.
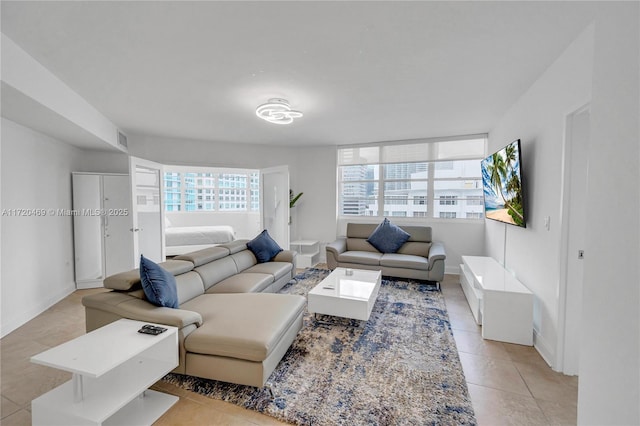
x=112, y=368
x=308, y=252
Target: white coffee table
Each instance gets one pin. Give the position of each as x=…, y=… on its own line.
x=112, y=368
x=347, y=296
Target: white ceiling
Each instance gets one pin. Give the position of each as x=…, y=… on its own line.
x=360, y=71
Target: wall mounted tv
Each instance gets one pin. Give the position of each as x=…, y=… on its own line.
x=502, y=184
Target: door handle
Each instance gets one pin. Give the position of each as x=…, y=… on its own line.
x=134, y=229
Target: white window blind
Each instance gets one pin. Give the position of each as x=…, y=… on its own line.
x=413, y=151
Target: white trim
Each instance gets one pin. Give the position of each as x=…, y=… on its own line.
x=543, y=348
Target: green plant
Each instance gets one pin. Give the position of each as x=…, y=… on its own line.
x=293, y=199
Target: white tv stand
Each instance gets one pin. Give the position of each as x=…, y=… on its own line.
x=498, y=301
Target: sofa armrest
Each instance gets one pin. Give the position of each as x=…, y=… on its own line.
x=133, y=308
x=333, y=250
x=338, y=246
x=436, y=252
x=286, y=256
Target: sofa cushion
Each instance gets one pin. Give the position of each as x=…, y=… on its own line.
x=406, y=261
x=216, y=271
x=264, y=247
x=243, y=326
x=244, y=259
x=235, y=246
x=130, y=279
x=363, y=257
x=360, y=244
x=276, y=269
x=245, y=282
x=159, y=285
x=200, y=257
x=415, y=248
x=387, y=237
x=188, y=285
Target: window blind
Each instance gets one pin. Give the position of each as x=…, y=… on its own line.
x=413, y=151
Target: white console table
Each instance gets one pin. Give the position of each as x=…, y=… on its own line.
x=112, y=368
x=498, y=301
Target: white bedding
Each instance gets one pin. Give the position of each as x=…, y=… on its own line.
x=198, y=235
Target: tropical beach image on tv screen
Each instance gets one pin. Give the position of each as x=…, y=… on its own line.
x=502, y=184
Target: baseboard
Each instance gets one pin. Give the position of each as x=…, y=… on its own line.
x=452, y=269
x=34, y=311
x=543, y=348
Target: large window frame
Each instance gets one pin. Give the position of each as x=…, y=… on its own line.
x=211, y=189
x=419, y=175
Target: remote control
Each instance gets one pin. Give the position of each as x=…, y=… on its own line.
x=151, y=329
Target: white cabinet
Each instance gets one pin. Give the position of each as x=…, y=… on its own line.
x=112, y=368
x=498, y=301
x=103, y=243
x=308, y=252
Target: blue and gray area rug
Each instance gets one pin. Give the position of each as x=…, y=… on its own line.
x=402, y=367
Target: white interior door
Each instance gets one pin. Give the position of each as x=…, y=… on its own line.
x=147, y=191
x=274, y=201
x=118, y=244
x=574, y=222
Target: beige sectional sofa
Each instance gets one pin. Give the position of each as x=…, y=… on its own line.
x=418, y=258
x=231, y=327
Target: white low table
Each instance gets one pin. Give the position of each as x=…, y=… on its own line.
x=346, y=296
x=498, y=301
x=112, y=368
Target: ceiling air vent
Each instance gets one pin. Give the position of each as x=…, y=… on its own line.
x=122, y=140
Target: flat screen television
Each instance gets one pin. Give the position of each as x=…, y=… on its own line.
x=502, y=186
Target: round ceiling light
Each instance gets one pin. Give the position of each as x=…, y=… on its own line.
x=277, y=111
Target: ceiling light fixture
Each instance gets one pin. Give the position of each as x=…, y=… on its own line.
x=277, y=111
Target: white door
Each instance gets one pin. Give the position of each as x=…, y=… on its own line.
x=274, y=201
x=147, y=204
x=574, y=222
x=118, y=244
x=87, y=230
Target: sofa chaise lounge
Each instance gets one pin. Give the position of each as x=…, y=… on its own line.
x=230, y=327
x=418, y=258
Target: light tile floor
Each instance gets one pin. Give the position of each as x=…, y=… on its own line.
x=509, y=384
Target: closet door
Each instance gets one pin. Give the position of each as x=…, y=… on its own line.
x=87, y=230
x=118, y=241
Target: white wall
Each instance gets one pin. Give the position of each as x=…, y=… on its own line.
x=37, y=251
x=537, y=118
x=314, y=217
x=33, y=80
x=609, y=387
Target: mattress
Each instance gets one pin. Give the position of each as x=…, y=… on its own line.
x=198, y=235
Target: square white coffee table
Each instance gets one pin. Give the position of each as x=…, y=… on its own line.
x=112, y=368
x=347, y=296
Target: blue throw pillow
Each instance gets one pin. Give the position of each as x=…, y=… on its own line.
x=387, y=237
x=263, y=247
x=159, y=285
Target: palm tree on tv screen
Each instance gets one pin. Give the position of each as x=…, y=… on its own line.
x=499, y=171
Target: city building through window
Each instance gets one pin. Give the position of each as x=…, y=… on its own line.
x=432, y=178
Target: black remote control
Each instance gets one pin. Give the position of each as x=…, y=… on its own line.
x=151, y=329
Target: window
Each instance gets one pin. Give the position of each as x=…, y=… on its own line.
x=209, y=189
x=448, y=200
x=434, y=178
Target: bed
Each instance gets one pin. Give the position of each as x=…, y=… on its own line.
x=183, y=239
